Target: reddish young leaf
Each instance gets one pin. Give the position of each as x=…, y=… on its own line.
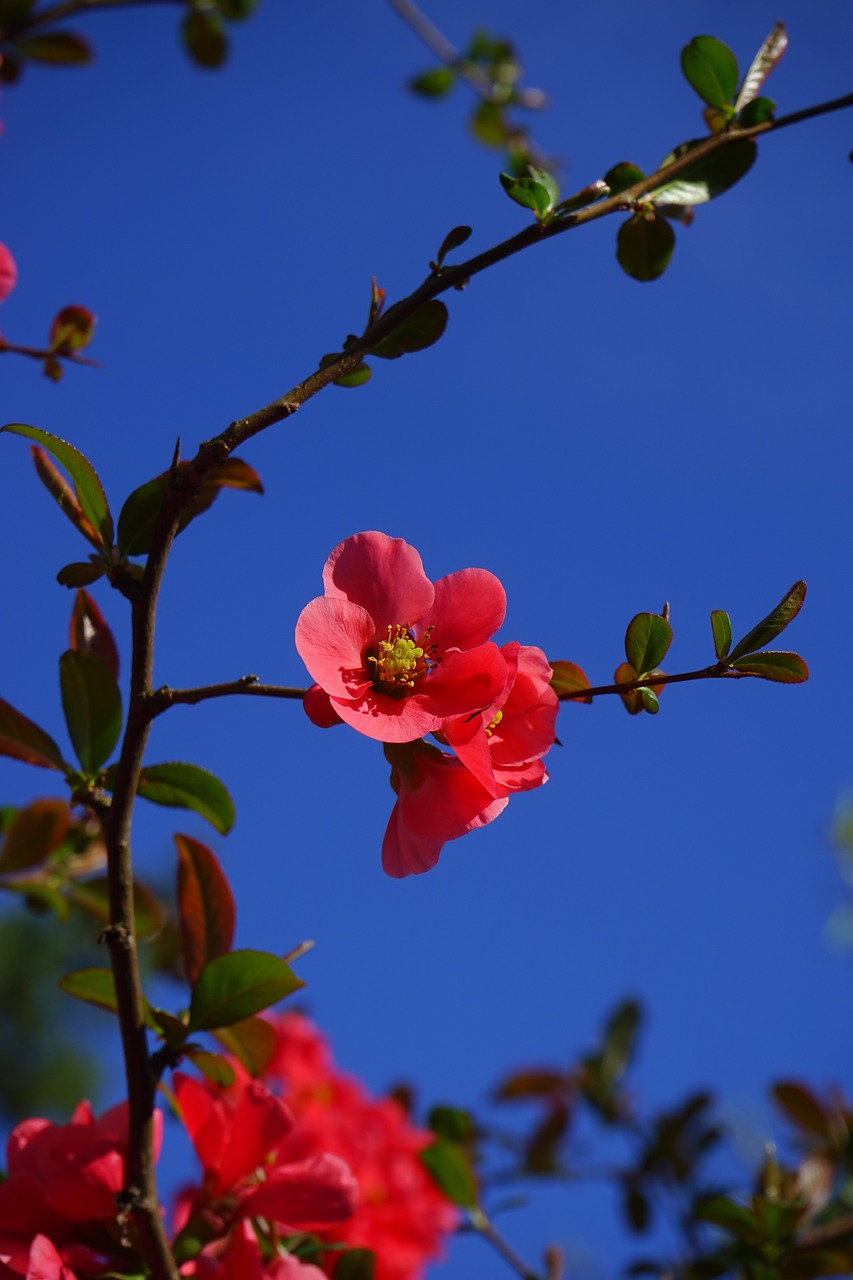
x=802, y=1107
x=72, y=329
x=89, y=632
x=34, y=834
x=23, y=740
x=569, y=678
x=62, y=493
x=205, y=906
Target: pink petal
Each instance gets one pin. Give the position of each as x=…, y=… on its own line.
x=45, y=1263
x=469, y=608
x=8, y=272
x=318, y=708
x=384, y=575
x=310, y=1193
x=331, y=637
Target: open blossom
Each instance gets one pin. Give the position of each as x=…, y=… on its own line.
x=398, y=655
x=58, y=1212
x=401, y=1215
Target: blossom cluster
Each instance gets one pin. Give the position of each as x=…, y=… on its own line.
x=297, y=1167
x=398, y=657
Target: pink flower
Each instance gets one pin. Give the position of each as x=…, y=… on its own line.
x=438, y=799
x=401, y=1215
x=8, y=272
x=241, y=1259
x=398, y=655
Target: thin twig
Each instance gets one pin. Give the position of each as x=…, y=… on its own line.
x=38, y=353
x=483, y=1226
x=718, y=671
x=159, y=700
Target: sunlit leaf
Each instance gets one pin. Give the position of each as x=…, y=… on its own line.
x=92, y=705
x=89, y=632
x=140, y=513
x=217, y=1069
x=756, y=111
x=416, y=332
x=178, y=785
x=94, y=986
x=206, y=910
x=568, y=678
x=649, y=699
x=34, y=834
x=644, y=246
x=528, y=192
x=23, y=740
x=775, y=622
x=762, y=64
x=356, y=377
x=781, y=668
x=253, y=1042
x=87, y=486
x=707, y=177
x=236, y=986
x=710, y=68
x=488, y=125
x=64, y=496
x=721, y=627
x=620, y=1039
x=450, y=1169
x=647, y=641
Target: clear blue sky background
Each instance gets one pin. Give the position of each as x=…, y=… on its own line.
x=601, y=445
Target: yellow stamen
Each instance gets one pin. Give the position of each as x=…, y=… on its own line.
x=493, y=724
x=399, y=663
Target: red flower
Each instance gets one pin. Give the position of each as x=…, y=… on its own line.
x=241, y=1259
x=8, y=272
x=438, y=799
x=398, y=655
x=401, y=1215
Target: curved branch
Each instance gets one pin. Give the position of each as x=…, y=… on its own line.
x=161, y=700
x=717, y=672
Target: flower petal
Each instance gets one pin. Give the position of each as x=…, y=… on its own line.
x=331, y=637
x=384, y=575
x=469, y=608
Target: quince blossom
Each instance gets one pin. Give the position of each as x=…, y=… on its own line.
x=398, y=655
x=8, y=272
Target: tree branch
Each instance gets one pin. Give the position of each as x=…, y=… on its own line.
x=73, y=8
x=160, y=700
x=38, y=353
x=718, y=671
x=483, y=1226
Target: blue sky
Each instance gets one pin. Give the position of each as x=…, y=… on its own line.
x=600, y=445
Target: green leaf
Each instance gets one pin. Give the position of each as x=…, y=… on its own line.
x=775, y=622
x=416, y=332
x=622, y=176
x=547, y=180
x=756, y=111
x=709, y=176
x=236, y=986
x=568, y=678
x=34, y=834
x=451, y=1123
x=649, y=699
x=40, y=897
x=762, y=64
x=644, y=246
x=647, y=641
x=453, y=240
x=63, y=494
x=177, y=785
x=782, y=668
x=356, y=377
x=92, y=705
x=138, y=518
x=252, y=1042
x=236, y=10
x=59, y=47
x=356, y=1264
x=94, y=986
x=93, y=897
x=732, y=1217
x=710, y=68
x=217, y=1069
x=450, y=1169
x=721, y=627
x=205, y=906
x=87, y=486
x=529, y=193
x=204, y=38
x=620, y=1038
x=22, y=740
x=435, y=83
x=488, y=125
x=80, y=574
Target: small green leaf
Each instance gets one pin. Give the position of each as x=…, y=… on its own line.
x=756, y=111
x=622, y=176
x=92, y=705
x=547, y=180
x=721, y=627
x=709, y=176
x=620, y=1039
x=649, y=699
x=22, y=740
x=488, y=125
x=435, y=83
x=782, y=668
x=450, y=1169
x=71, y=329
x=178, y=785
x=204, y=38
x=644, y=246
x=647, y=641
x=418, y=331
x=94, y=986
x=252, y=1042
x=775, y=622
x=762, y=64
x=217, y=1069
x=63, y=494
x=236, y=986
x=710, y=68
x=451, y=1123
x=568, y=679
x=138, y=518
x=732, y=1217
x=40, y=897
x=80, y=574
x=356, y=377
x=206, y=909
x=453, y=240
x=34, y=834
x=62, y=48
x=529, y=193
x=87, y=486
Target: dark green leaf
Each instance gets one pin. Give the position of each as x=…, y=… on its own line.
x=710, y=68
x=252, y=1041
x=416, y=332
x=622, y=176
x=451, y=1123
x=528, y=192
x=356, y=377
x=732, y=1217
x=138, y=518
x=80, y=574
x=488, y=125
x=87, y=486
x=236, y=986
x=205, y=906
x=59, y=47
x=756, y=111
x=620, y=1038
x=34, y=834
x=636, y=1208
x=775, y=622
x=802, y=1107
x=204, y=38
x=92, y=705
x=356, y=1264
x=94, y=986
x=647, y=641
x=450, y=1169
x=435, y=83
x=453, y=240
x=217, y=1069
x=90, y=633
x=721, y=627
x=762, y=64
x=644, y=246
x=178, y=785
x=568, y=678
x=709, y=176
x=22, y=740
x=780, y=667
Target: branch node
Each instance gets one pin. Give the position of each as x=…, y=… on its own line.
x=117, y=935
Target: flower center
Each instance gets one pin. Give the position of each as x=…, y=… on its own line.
x=399, y=662
x=493, y=724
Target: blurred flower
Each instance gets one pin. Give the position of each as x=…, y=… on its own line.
x=8, y=272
